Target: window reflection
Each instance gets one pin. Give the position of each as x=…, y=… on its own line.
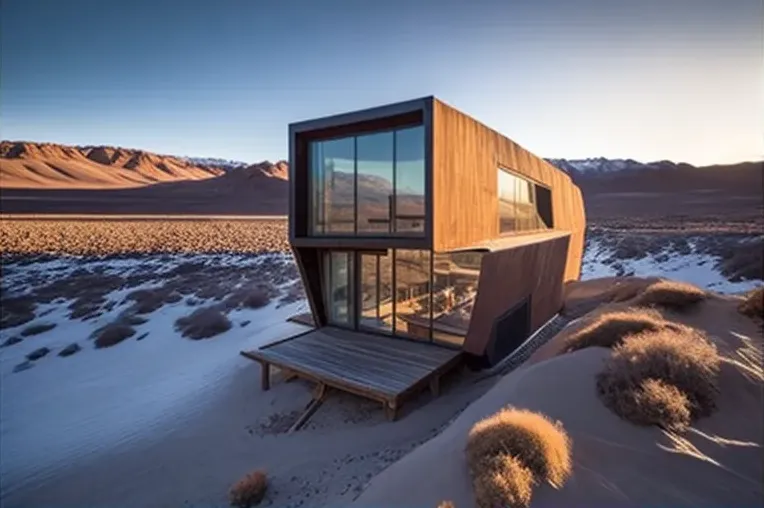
x=412, y=293
x=519, y=208
x=332, y=170
x=371, y=184
x=455, y=281
x=375, y=182
x=409, y=180
x=376, y=286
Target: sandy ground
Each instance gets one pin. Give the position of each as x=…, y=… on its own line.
x=717, y=463
x=161, y=420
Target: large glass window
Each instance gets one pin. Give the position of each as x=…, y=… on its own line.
x=409, y=180
x=519, y=206
x=374, y=181
x=455, y=281
x=338, y=271
x=371, y=184
x=332, y=178
x=376, y=287
x=412, y=293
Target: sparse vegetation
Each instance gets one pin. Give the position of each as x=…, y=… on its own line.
x=648, y=368
x=38, y=353
x=511, y=451
x=609, y=329
x=249, y=491
x=203, y=323
x=69, y=350
x=753, y=304
x=653, y=402
x=672, y=295
x=89, y=237
x=17, y=310
x=37, y=329
x=113, y=334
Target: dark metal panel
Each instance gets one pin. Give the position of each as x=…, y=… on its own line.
x=365, y=242
x=363, y=115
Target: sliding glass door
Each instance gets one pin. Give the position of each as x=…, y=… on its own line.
x=376, y=290
x=338, y=273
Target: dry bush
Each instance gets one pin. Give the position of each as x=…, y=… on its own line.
x=203, y=323
x=753, y=305
x=653, y=402
x=609, y=329
x=503, y=481
x=249, y=491
x=672, y=295
x=113, y=334
x=683, y=359
x=509, y=452
x=37, y=329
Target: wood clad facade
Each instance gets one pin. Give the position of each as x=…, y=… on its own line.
x=462, y=158
x=508, y=276
x=465, y=159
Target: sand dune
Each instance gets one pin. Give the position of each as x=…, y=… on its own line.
x=716, y=463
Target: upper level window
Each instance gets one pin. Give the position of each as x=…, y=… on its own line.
x=368, y=185
x=523, y=205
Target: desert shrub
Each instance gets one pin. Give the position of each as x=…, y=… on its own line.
x=16, y=311
x=113, y=334
x=249, y=491
x=653, y=402
x=609, y=329
x=37, y=329
x=753, y=305
x=536, y=443
x=683, y=359
x=503, y=481
x=672, y=295
x=256, y=299
x=203, y=323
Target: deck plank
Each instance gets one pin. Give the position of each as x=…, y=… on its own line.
x=386, y=366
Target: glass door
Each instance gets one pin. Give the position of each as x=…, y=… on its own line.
x=338, y=270
x=375, y=290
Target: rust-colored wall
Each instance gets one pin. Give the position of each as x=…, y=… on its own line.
x=507, y=277
x=466, y=155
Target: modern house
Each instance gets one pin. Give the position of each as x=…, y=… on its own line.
x=416, y=226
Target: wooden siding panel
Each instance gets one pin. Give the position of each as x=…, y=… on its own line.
x=466, y=155
x=507, y=277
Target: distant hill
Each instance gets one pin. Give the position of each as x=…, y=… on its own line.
x=51, y=178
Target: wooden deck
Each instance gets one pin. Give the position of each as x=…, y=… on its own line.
x=385, y=369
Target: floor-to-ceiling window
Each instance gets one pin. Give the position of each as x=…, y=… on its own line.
x=376, y=290
x=339, y=276
x=369, y=185
x=412, y=293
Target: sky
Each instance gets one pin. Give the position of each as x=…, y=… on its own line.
x=649, y=80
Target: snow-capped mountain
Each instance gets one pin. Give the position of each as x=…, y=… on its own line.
x=215, y=162
x=600, y=165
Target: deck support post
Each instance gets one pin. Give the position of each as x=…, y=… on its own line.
x=265, y=376
x=435, y=385
x=319, y=394
x=391, y=410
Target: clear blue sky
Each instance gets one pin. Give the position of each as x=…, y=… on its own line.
x=647, y=79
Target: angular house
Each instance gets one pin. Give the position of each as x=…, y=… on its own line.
x=416, y=226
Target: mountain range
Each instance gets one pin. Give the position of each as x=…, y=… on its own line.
x=54, y=178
